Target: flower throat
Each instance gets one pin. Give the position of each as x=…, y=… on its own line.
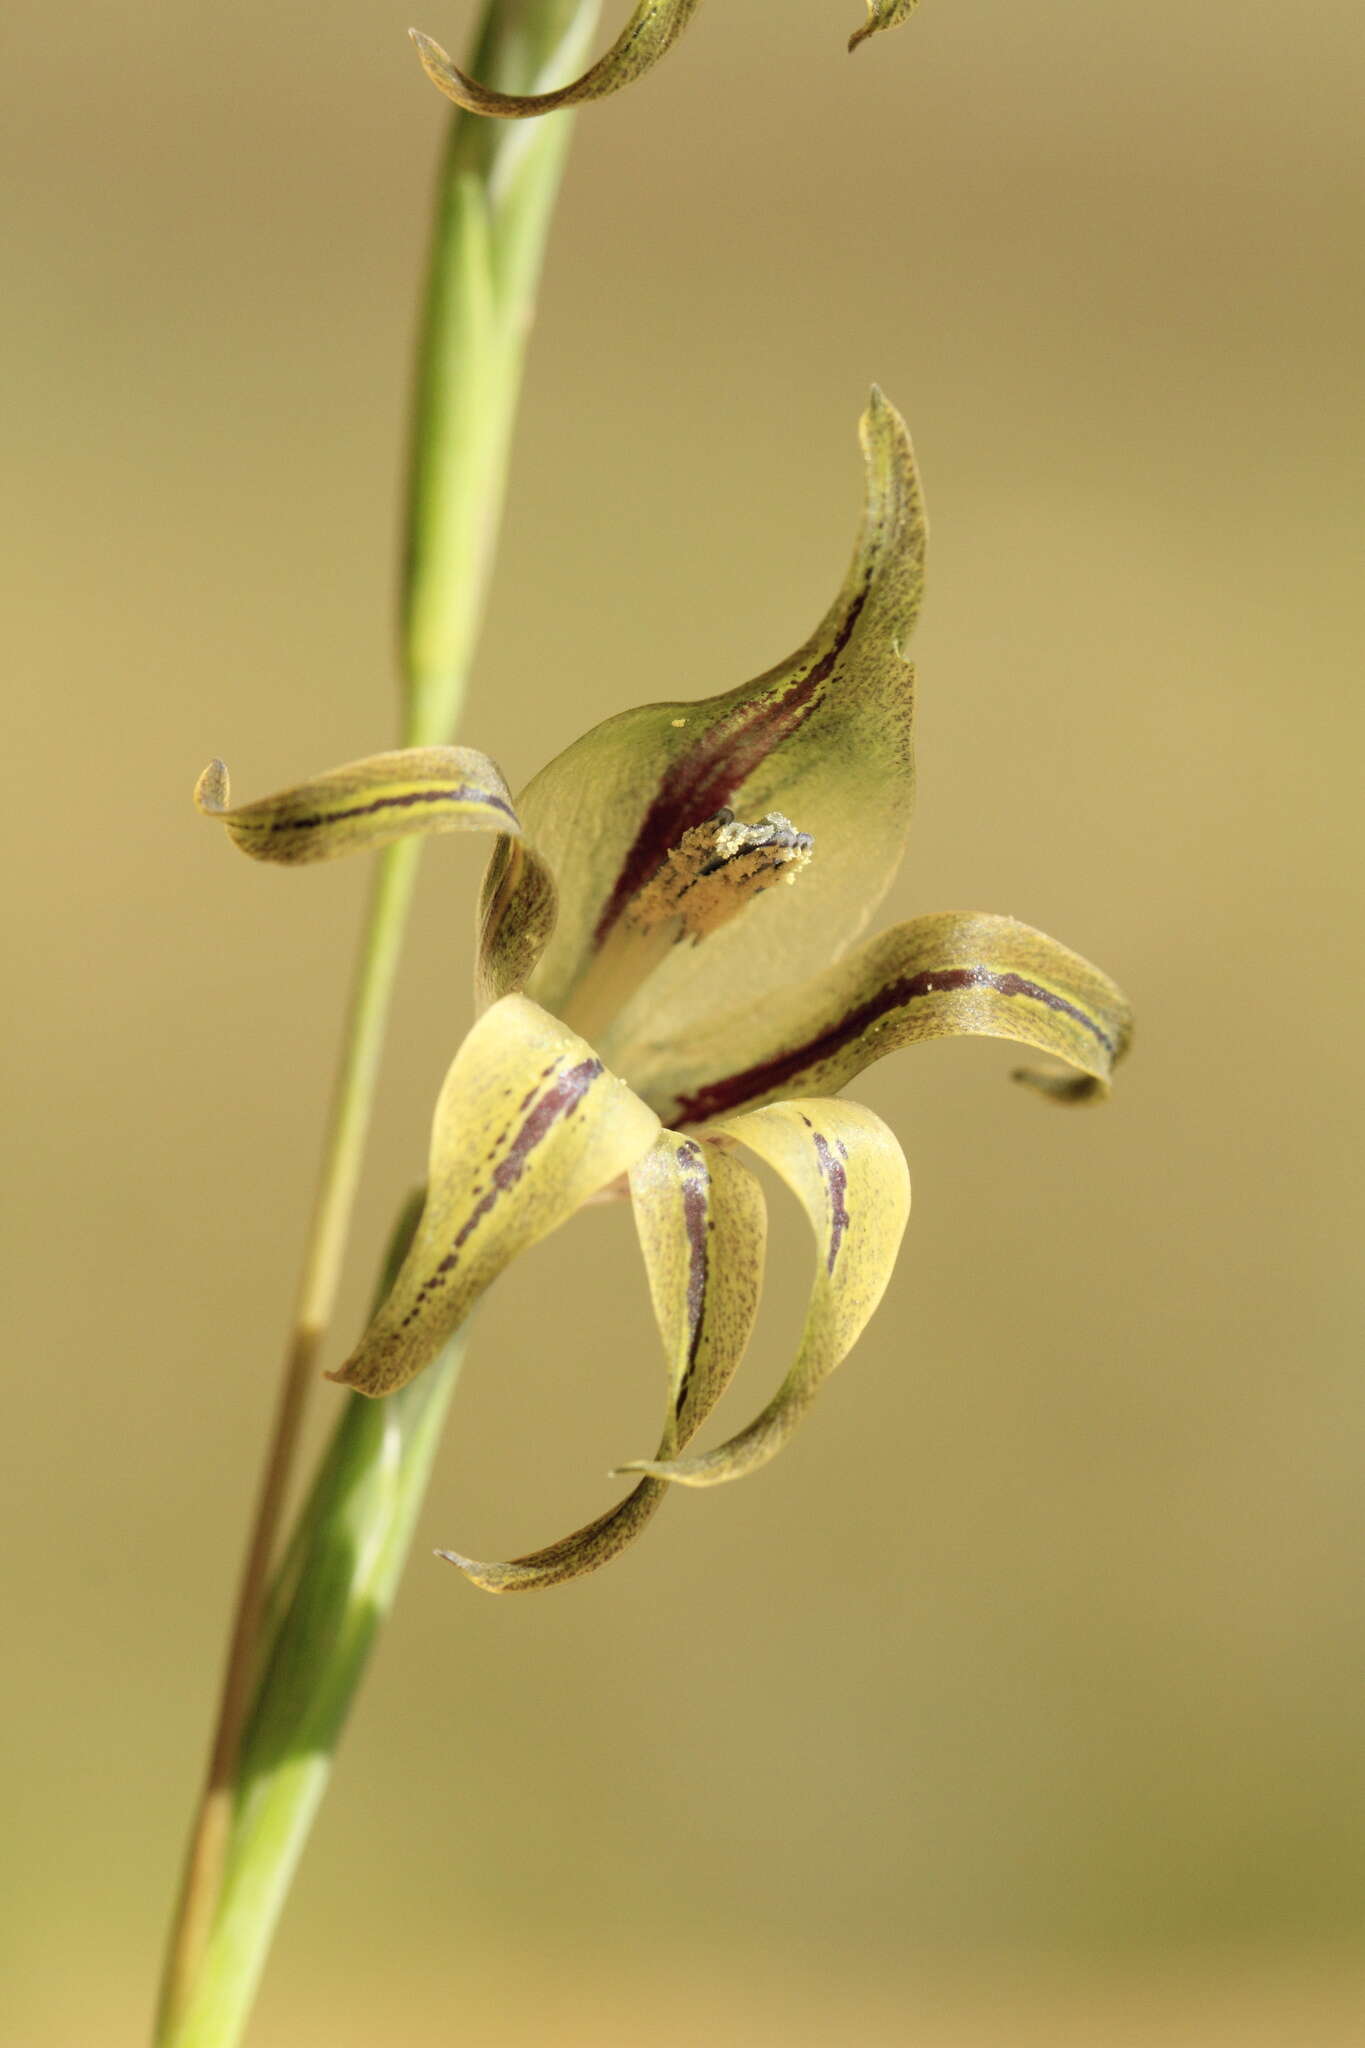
x=715, y=871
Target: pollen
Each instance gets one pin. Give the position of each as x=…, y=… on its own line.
x=717, y=869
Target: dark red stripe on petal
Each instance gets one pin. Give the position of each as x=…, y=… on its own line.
x=717, y=1097
x=696, y=1191
x=456, y=794
x=835, y=1177
x=713, y=771
x=559, y=1101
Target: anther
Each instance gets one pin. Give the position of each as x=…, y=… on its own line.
x=717, y=869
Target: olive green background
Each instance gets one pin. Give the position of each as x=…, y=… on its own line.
x=1021, y=1701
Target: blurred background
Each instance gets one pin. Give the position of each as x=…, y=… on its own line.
x=1021, y=1700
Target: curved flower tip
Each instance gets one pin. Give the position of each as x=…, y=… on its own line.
x=573, y=1557
x=649, y=34
x=366, y=804
x=882, y=14
x=1060, y=1087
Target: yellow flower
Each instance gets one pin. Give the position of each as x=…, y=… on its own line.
x=665, y=986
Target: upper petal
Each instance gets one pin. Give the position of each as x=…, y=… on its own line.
x=825, y=738
x=935, y=977
x=528, y=1126
x=650, y=33
x=364, y=805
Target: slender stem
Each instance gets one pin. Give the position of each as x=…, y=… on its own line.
x=348, y=1126
x=354, y=1535
x=496, y=195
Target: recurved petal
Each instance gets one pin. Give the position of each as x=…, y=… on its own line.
x=825, y=739
x=882, y=14
x=849, y=1174
x=516, y=917
x=650, y=33
x=702, y=1225
x=364, y=805
x=529, y=1125
x=935, y=977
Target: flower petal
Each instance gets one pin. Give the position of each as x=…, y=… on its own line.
x=935, y=977
x=882, y=14
x=528, y=1126
x=516, y=917
x=702, y=1226
x=650, y=33
x=825, y=739
x=364, y=805
x=846, y=1169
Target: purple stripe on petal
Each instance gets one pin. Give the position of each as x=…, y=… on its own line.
x=717, y=1097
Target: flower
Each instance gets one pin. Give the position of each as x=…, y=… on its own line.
x=650, y=34
x=666, y=988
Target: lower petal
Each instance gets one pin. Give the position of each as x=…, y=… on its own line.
x=848, y=1172
x=702, y=1225
x=935, y=977
x=529, y=1126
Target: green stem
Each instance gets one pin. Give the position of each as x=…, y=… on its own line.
x=280, y=1715
x=343, y=1573
x=348, y=1126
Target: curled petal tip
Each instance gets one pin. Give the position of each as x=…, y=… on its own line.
x=441, y=70
x=365, y=804
x=488, y=1578
x=1062, y=1087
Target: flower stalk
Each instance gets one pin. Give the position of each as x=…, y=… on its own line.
x=496, y=193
